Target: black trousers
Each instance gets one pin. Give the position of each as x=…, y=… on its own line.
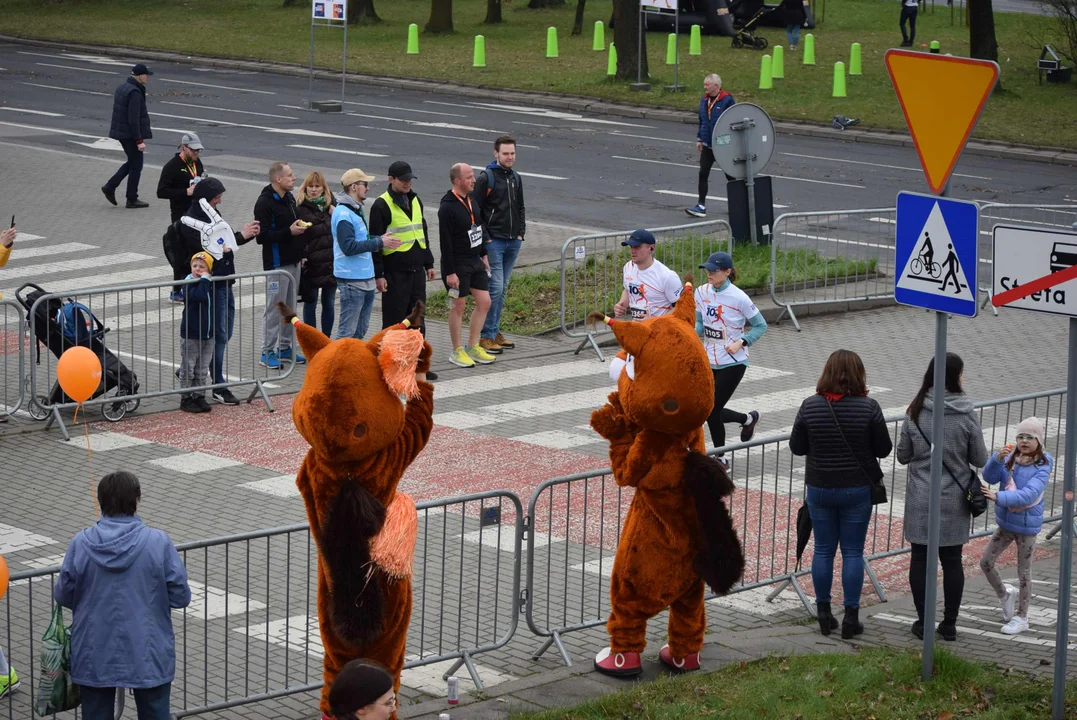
x=132, y=170
x=706, y=162
x=405, y=288
x=726, y=381
x=953, y=579
x=909, y=14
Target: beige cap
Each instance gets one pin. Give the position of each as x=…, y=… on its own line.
x=353, y=176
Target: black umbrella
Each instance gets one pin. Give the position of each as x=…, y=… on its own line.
x=803, y=531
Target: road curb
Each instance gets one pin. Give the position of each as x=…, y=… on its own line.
x=576, y=103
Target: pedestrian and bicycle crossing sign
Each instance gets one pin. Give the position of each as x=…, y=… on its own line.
x=1034, y=269
x=936, y=253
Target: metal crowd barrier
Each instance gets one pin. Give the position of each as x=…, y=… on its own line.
x=592, y=277
x=840, y=256
x=575, y=522
x=1048, y=217
x=251, y=632
x=138, y=343
x=13, y=346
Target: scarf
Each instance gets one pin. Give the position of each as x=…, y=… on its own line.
x=319, y=202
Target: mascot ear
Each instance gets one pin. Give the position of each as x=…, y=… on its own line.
x=310, y=338
x=413, y=321
x=630, y=335
x=686, y=304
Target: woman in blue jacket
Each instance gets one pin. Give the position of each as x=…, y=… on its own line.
x=1023, y=474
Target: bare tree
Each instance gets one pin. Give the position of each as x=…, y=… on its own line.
x=362, y=12
x=577, y=25
x=493, y=12
x=440, y=17
x=625, y=36
x=1065, y=11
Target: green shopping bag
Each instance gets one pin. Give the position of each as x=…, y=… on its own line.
x=55, y=691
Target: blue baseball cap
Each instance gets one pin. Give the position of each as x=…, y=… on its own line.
x=639, y=237
x=718, y=261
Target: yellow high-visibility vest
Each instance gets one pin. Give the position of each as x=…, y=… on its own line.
x=408, y=230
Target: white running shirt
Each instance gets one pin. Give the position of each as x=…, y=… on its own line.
x=651, y=292
x=725, y=316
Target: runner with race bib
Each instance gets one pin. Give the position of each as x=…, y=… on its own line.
x=650, y=288
x=728, y=322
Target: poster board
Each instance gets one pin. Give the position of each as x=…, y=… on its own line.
x=329, y=10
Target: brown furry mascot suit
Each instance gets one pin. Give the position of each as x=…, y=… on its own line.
x=366, y=410
x=677, y=533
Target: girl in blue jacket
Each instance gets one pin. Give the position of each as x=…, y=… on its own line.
x=1023, y=474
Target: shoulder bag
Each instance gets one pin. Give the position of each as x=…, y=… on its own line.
x=878, y=490
x=974, y=494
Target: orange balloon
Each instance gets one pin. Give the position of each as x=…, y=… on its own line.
x=79, y=373
x=3, y=577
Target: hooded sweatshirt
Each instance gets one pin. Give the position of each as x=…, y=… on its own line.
x=192, y=240
x=122, y=579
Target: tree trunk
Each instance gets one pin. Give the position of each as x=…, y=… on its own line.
x=493, y=12
x=982, y=42
x=539, y=4
x=362, y=12
x=577, y=25
x=440, y=17
x=626, y=36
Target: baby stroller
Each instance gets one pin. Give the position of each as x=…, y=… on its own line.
x=746, y=17
x=61, y=324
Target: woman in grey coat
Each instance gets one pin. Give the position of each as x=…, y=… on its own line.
x=963, y=446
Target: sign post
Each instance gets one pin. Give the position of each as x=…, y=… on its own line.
x=331, y=14
x=942, y=98
x=1036, y=270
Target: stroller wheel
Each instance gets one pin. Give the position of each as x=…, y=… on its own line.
x=132, y=405
x=737, y=43
x=114, y=411
x=760, y=43
x=36, y=408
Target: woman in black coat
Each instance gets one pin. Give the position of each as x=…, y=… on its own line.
x=314, y=204
x=794, y=20
x=843, y=434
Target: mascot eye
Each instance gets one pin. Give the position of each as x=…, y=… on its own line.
x=359, y=431
x=630, y=367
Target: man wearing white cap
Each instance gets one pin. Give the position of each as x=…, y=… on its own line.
x=180, y=175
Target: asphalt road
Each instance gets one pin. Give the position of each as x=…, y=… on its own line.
x=580, y=171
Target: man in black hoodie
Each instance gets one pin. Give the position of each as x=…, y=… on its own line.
x=198, y=231
x=281, y=249
x=464, y=267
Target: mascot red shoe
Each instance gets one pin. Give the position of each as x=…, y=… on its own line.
x=677, y=532
x=367, y=411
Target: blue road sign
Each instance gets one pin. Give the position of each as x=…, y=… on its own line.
x=936, y=253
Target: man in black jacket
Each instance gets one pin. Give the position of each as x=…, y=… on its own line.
x=131, y=126
x=281, y=249
x=464, y=267
x=401, y=273
x=197, y=231
x=501, y=194
x=178, y=178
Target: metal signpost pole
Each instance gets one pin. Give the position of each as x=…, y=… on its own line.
x=676, y=47
x=344, y=57
x=310, y=83
x=1065, y=565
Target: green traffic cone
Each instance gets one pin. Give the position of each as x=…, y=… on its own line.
x=765, y=81
x=695, y=45
x=839, y=80
x=854, y=60
x=935, y=47
x=611, y=64
x=777, y=65
x=480, y=52
x=551, y=42
x=809, y=50
x=599, y=43
x=413, y=39
x=671, y=49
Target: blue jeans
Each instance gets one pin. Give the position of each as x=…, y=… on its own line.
x=839, y=518
x=329, y=309
x=792, y=32
x=224, y=322
x=502, y=255
x=152, y=703
x=355, y=307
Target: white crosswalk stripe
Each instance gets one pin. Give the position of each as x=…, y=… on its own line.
x=61, y=249
x=83, y=282
x=45, y=270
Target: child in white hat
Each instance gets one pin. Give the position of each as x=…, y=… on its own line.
x=1023, y=473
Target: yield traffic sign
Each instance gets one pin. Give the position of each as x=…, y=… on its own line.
x=942, y=98
x=1035, y=270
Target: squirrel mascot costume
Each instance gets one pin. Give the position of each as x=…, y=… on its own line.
x=677, y=532
x=367, y=412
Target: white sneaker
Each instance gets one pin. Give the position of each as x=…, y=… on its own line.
x=1015, y=626
x=1008, y=603
x=726, y=463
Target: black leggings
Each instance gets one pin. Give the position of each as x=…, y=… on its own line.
x=726, y=381
x=953, y=579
